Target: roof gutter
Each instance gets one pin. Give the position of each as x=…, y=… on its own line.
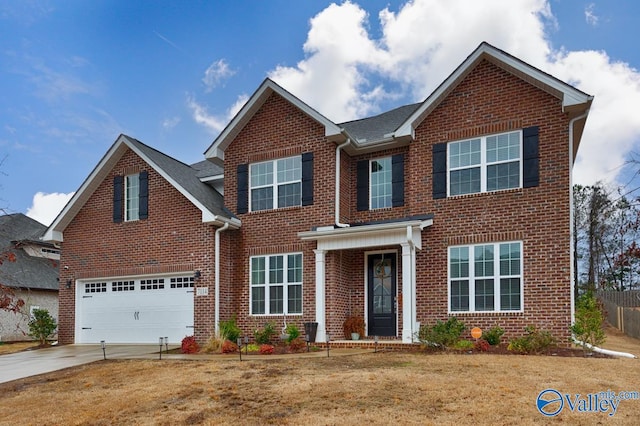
x=216, y=267
x=571, y=214
x=337, y=191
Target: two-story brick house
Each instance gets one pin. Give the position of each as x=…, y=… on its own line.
x=459, y=205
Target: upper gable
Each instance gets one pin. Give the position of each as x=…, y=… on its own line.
x=255, y=103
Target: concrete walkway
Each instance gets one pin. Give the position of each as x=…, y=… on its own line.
x=33, y=362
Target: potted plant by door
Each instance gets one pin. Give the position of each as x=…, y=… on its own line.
x=353, y=327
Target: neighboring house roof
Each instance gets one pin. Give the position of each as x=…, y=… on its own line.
x=37, y=273
x=396, y=127
x=182, y=176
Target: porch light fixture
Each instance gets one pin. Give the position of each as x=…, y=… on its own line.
x=197, y=274
x=68, y=284
x=104, y=349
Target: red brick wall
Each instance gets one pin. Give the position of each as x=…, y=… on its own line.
x=277, y=130
x=488, y=101
x=172, y=239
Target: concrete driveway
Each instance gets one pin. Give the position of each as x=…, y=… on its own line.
x=30, y=363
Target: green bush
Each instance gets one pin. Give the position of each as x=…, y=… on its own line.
x=229, y=330
x=463, y=345
x=42, y=325
x=493, y=335
x=588, y=321
x=442, y=334
x=534, y=341
x=292, y=332
x=264, y=335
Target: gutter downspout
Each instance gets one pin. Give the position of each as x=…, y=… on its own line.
x=216, y=315
x=571, y=220
x=571, y=214
x=337, y=193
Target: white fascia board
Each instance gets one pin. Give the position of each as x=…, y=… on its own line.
x=570, y=96
x=366, y=235
x=216, y=151
x=90, y=184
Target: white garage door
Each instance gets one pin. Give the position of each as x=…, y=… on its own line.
x=134, y=310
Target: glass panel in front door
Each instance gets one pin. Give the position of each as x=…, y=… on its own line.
x=382, y=287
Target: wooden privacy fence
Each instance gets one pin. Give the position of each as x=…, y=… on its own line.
x=623, y=310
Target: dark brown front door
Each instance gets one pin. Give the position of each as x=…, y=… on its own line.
x=381, y=294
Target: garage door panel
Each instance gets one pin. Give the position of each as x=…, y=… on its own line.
x=136, y=311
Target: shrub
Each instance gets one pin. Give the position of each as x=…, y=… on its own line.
x=252, y=347
x=292, y=332
x=588, y=323
x=481, y=345
x=213, y=345
x=264, y=335
x=229, y=347
x=189, y=345
x=493, y=335
x=266, y=349
x=229, y=330
x=534, y=341
x=442, y=334
x=42, y=325
x=297, y=345
x=463, y=345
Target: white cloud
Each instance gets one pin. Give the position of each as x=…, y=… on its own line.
x=170, y=123
x=590, y=16
x=216, y=74
x=212, y=122
x=425, y=40
x=46, y=207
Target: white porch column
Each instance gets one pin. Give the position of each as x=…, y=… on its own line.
x=320, y=296
x=408, y=293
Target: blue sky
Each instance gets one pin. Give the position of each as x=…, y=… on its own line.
x=76, y=74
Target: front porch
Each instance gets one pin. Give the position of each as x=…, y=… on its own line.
x=332, y=303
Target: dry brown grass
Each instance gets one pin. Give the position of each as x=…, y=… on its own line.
x=382, y=388
x=9, y=347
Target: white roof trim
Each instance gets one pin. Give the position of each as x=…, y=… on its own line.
x=569, y=95
x=391, y=233
x=220, y=144
x=99, y=173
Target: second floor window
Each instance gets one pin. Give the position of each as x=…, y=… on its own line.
x=484, y=164
x=380, y=179
x=132, y=194
x=276, y=183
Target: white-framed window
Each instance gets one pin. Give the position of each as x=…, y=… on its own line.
x=276, y=183
x=132, y=197
x=380, y=181
x=486, y=278
x=276, y=284
x=484, y=164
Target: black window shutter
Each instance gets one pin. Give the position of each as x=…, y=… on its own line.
x=530, y=157
x=143, y=200
x=439, y=170
x=307, y=178
x=397, y=180
x=243, y=188
x=362, y=185
x=118, y=189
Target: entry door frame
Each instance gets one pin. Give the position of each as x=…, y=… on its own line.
x=367, y=254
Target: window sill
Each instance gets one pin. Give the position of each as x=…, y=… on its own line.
x=278, y=210
x=485, y=313
x=478, y=194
